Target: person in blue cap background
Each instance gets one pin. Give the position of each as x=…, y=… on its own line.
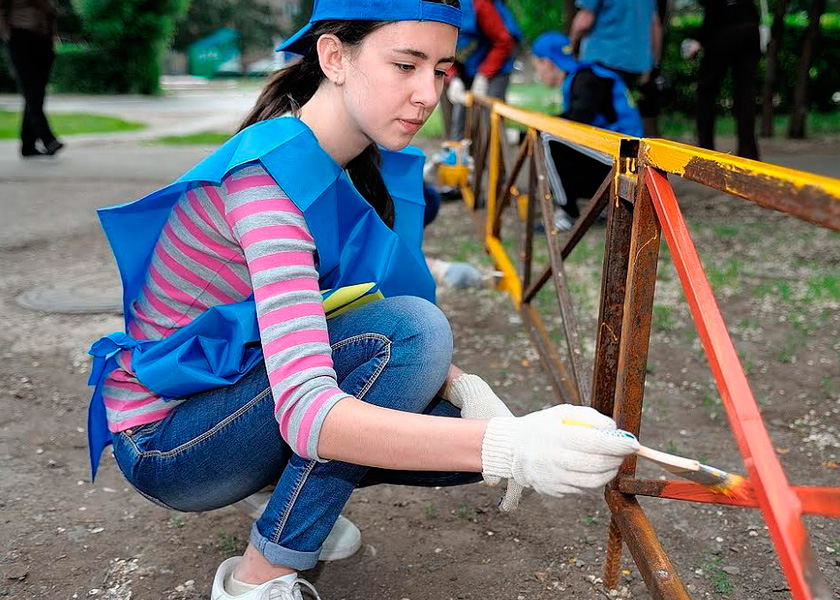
x=280, y=318
x=592, y=95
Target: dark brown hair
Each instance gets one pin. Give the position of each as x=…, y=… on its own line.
x=290, y=88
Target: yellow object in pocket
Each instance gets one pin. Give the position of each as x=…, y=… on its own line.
x=342, y=299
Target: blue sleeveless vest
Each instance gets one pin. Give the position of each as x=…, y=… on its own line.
x=628, y=120
x=473, y=46
x=360, y=259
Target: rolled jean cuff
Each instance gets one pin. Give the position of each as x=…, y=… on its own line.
x=277, y=555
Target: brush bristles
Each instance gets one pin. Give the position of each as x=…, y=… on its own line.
x=732, y=486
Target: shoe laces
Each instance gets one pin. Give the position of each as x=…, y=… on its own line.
x=283, y=591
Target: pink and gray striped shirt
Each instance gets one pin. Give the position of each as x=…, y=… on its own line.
x=220, y=244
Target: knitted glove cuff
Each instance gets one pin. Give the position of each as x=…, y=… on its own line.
x=497, y=447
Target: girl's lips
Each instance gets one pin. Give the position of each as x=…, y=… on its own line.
x=410, y=125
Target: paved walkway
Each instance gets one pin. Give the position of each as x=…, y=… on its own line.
x=182, y=110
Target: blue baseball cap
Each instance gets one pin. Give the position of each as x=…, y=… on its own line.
x=557, y=48
x=371, y=10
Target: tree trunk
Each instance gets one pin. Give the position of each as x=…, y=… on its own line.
x=569, y=11
x=772, y=68
x=799, y=114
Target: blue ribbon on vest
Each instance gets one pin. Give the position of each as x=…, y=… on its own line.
x=354, y=247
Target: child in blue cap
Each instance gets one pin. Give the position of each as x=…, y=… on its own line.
x=592, y=95
x=280, y=318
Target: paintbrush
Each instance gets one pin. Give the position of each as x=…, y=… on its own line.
x=712, y=478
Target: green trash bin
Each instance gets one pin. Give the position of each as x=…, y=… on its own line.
x=216, y=54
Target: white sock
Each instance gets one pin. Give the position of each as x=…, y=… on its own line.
x=235, y=587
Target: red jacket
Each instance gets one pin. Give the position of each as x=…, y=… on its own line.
x=502, y=42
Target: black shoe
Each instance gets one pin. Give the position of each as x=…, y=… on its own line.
x=33, y=153
x=53, y=147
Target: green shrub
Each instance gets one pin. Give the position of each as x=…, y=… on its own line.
x=7, y=78
x=129, y=38
x=825, y=70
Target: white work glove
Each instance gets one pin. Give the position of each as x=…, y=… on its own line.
x=476, y=400
x=689, y=48
x=541, y=452
x=456, y=275
x=480, y=86
x=456, y=91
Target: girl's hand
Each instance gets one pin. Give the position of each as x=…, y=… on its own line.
x=540, y=452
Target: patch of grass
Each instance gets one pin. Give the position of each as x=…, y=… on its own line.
x=714, y=405
x=719, y=577
x=726, y=230
x=748, y=323
x=787, y=353
x=433, y=127
x=207, y=138
x=231, y=544
x=780, y=289
x=664, y=318
x=822, y=286
x=723, y=275
x=68, y=124
x=431, y=511
x=465, y=511
x=679, y=126
x=588, y=252
x=672, y=447
x=590, y=520
x=467, y=250
x=176, y=522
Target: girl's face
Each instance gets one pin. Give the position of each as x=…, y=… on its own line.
x=394, y=79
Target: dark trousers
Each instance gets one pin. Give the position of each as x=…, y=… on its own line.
x=32, y=59
x=581, y=175
x=735, y=48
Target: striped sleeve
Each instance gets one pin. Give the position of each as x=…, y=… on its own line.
x=280, y=254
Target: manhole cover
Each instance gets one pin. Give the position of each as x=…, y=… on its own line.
x=95, y=293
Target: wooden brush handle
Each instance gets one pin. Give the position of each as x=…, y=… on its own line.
x=668, y=460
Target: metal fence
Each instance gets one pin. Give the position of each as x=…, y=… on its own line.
x=641, y=208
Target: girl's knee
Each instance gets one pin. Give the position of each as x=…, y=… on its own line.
x=423, y=337
x=422, y=324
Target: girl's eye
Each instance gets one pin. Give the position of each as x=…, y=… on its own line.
x=404, y=67
x=440, y=74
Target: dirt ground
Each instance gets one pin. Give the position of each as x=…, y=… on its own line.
x=778, y=284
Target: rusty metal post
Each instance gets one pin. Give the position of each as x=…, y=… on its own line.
x=660, y=576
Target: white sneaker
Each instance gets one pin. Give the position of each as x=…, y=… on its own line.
x=562, y=221
x=270, y=590
x=344, y=539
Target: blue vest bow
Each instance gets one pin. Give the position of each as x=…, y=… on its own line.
x=360, y=259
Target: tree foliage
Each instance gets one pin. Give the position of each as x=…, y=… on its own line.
x=538, y=16
x=130, y=38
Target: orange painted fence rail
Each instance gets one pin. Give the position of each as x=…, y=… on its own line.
x=642, y=208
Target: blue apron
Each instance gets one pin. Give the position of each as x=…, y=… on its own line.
x=359, y=259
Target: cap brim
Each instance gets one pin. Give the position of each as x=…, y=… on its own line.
x=295, y=43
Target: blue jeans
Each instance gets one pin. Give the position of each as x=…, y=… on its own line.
x=223, y=445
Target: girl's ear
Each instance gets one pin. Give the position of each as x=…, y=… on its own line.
x=331, y=58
